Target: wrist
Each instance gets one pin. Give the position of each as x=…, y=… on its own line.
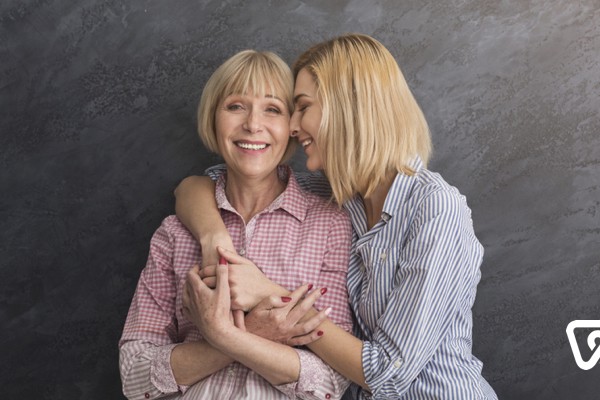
x=214, y=239
x=226, y=339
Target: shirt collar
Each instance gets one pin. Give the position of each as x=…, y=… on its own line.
x=400, y=190
x=292, y=199
x=398, y=194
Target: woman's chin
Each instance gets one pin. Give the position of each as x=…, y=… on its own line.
x=314, y=165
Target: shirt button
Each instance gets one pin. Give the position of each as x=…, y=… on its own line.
x=242, y=252
x=398, y=363
x=327, y=396
x=230, y=371
x=147, y=395
x=383, y=256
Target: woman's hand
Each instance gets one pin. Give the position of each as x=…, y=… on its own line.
x=290, y=320
x=247, y=284
x=210, y=244
x=209, y=309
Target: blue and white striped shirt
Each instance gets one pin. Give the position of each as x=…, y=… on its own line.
x=412, y=281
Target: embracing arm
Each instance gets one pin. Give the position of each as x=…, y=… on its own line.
x=209, y=309
x=342, y=351
x=196, y=208
x=437, y=267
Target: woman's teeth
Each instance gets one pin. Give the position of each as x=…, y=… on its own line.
x=249, y=146
x=306, y=142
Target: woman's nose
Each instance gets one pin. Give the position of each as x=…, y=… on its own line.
x=294, y=126
x=253, y=122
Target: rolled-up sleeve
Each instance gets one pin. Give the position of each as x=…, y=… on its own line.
x=317, y=380
x=146, y=371
x=150, y=329
x=431, y=280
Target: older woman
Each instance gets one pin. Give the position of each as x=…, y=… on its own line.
x=297, y=239
x=415, y=259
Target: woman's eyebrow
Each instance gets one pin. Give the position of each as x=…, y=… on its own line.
x=297, y=97
x=270, y=96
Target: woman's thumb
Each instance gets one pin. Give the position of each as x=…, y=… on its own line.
x=230, y=256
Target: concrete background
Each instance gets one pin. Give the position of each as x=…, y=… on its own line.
x=97, y=105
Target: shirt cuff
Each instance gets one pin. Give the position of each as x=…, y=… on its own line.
x=311, y=375
x=380, y=368
x=161, y=373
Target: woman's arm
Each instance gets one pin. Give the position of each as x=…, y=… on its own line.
x=248, y=285
x=303, y=325
x=438, y=267
x=209, y=309
x=185, y=366
x=162, y=370
x=150, y=359
x=196, y=207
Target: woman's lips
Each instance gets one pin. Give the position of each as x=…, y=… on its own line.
x=251, y=146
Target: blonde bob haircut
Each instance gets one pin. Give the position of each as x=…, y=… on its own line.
x=371, y=125
x=247, y=72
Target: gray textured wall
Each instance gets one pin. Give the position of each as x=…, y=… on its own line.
x=97, y=104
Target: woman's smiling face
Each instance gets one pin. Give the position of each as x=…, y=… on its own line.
x=306, y=119
x=252, y=133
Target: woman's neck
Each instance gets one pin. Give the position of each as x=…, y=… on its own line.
x=250, y=196
x=374, y=202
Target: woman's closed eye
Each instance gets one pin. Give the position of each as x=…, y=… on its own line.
x=301, y=107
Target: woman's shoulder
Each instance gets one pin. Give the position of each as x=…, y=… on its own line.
x=430, y=184
x=430, y=195
x=313, y=182
x=173, y=226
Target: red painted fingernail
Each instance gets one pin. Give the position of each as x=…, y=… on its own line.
x=320, y=333
x=310, y=286
x=222, y=261
x=324, y=290
x=286, y=299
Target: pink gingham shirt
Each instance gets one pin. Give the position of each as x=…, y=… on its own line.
x=298, y=239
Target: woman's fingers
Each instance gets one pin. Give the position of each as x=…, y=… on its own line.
x=222, y=285
x=193, y=278
x=312, y=323
x=208, y=271
x=302, y=309
x=211, y=282
x=304, y=340
x=231, y=256
x=193, y=290
x=238, y=319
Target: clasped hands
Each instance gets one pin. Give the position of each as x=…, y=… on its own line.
x=215, y=298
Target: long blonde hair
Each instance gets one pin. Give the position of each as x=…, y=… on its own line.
x=371, y=124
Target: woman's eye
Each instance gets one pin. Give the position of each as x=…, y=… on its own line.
x=234, y=107
x=273, y=110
